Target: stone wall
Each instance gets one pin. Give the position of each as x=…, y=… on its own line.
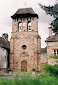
x=28, y=38
x=3, y=58
x=34, y=24
x=52, y=61
x=51, y=46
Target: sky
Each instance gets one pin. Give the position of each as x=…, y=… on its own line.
x=9, y=7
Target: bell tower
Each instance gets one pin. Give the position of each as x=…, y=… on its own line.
x=25, y=43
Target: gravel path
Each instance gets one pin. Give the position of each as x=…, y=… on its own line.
x=11, y=76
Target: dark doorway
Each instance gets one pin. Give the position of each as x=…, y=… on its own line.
x=24, y=65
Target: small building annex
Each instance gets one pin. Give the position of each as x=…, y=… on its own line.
x=52, y=46
x=4, y=52
x=52, y=43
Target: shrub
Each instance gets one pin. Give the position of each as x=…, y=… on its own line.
x=9, y=69
x=54, y=56
x=22, y=70
x=56, y=61
x=33, y=70
x=51, y=69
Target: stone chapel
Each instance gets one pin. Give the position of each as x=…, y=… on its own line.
x=25, y=42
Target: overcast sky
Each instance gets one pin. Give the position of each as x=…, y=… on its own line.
x=9, y=7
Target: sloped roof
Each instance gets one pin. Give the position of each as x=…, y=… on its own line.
x=4, y=43
x=24, y=12
x=53, y=38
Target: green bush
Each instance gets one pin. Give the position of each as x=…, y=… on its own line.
x=51, y=69
x=33, y=70
x=22, y=70
x=9, y=69
x=54, y=56
x=56, y=61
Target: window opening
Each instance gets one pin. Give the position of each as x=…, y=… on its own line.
x=56, y=52
x=20, y=26
x=24, y=46
x=29, y=25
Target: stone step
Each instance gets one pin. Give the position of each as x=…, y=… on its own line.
x=3, y=70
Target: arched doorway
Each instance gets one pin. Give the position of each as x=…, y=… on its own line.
x=24, y=65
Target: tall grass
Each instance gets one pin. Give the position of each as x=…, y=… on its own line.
x=42, y=79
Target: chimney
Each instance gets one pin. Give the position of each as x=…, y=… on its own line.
x=5, y=36
x=50, y=31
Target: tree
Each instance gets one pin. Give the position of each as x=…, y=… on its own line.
x=52, y=11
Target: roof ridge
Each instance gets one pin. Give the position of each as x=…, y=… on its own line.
x=52, y=38
x=26, y=8
x=4, y=43
x=24, y=12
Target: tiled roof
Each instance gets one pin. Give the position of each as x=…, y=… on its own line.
x=53, y=38
x=24, y=12
x=4, y=43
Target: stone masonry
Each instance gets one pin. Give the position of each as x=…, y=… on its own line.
x=52, y=46
x=20, y=58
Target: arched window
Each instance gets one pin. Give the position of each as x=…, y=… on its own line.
x=20, y=26
x=29, y=25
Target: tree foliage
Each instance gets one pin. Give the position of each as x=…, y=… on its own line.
x=52, y=11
